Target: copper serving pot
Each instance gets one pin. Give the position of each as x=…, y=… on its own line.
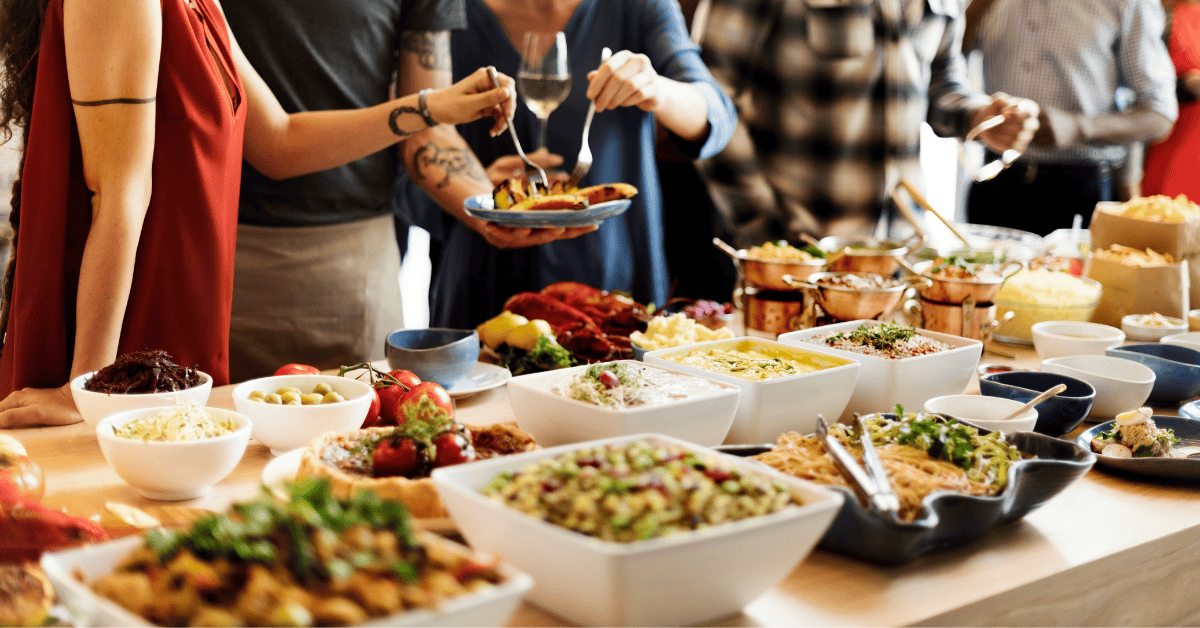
x=866, y=254
x=850, y=304
x=773, y=312
x=967, y=319
x=769, y=274
x=981, y=289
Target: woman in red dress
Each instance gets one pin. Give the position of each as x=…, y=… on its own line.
x=1173, y=165
x=137, y=115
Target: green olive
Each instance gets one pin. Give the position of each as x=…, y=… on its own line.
x=257, y=395
x=332, y=397
x=322, y=389
x=290, y=396
x=273, y=398
x=311, y=399
x=294, y=402
x=288, y=389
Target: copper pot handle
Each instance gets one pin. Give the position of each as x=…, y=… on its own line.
x=798, y=283
x=1019, y=267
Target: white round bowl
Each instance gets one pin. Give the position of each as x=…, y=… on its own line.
x=984, y=412
x=172, y=471
x=1121, y=385
x=95, y=406
x=284, y=428
x=1190, y=339
x=1151, y=333
x=1054, y=339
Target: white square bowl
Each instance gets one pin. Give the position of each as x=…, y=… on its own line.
x=910, y=382
x=770, y=407
x=554, y=419
x=686, y=578
x=490, y=607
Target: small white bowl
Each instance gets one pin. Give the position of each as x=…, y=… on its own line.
x=1190, y=339
x=95, y=406
x=554, y=419
x=1121, y=385
x=284, y=428
x=984, y=412
x=682, y=579
x=172, y=471
x=1150, y=333
x=770, y=407
x=1055, y=339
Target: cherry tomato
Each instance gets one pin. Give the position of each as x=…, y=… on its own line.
x=372, y=411
x=452, y=448
x=407, y=379
x=396, y=458
x=297, y=369
x=424, y=401
x=389, y=402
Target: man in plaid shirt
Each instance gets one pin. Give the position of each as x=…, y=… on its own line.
x=831, y=97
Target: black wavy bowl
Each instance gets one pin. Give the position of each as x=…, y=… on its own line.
x=951, y=519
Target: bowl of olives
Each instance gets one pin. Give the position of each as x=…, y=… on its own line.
x=288, y=411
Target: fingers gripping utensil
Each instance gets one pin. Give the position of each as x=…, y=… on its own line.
x=545, y=182
x=871, y=485
x=584, y=162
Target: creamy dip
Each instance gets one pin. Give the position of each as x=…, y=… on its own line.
x=747, y=360
x=632, y=385
x=182, y=423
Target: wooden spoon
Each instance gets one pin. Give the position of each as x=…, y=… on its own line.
x=1036, y=400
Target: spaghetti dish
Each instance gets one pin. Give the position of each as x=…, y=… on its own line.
x=922, y=454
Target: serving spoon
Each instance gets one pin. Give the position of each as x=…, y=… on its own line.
x=1036, y=400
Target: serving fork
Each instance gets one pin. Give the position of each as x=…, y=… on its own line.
x=545, y=182
x=584, y=162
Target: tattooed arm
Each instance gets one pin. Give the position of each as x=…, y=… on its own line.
x=439, y=160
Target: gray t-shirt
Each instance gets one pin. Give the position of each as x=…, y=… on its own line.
x=318, y=55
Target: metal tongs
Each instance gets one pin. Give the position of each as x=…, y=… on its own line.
x=872, y=485
x=545, y=182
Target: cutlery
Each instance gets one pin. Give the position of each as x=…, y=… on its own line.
x=1036, y=400
x=516, y=142
x=584, y=162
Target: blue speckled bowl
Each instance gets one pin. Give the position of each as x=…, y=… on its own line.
x=436, y=355
x=1176, y=369
x=1057, y=415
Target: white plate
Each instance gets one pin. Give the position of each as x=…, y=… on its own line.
x=284, y=468
x=483, y=377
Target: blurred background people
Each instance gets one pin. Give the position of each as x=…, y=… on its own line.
x=1173, y=165
x=1071, y=58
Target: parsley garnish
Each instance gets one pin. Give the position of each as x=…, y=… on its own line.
x=884, y=337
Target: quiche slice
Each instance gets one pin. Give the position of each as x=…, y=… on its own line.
x=346, y=460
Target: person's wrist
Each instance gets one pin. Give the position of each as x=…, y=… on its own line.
x=423, y=107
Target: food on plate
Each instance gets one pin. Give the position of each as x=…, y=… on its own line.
x=25, y=595
x=526, y=336
x=754, y=361
x=675, y=330
x=619, y=385
x=922, y=453
x=638, y=491
x=546, y=355
x=312, y=559
x=552, y=202
x=143, y=372
x=781, y=251
x=1161, y=208
x=960, y=269
x=17, y=468
x=1158, y=320
x=293, y=396
x=515, y=194
x=593, y=324
x=860, y=281
x=513, y=330
x=297, y=369
x=1134, y=435
x=28, y=528
x=888, y=340
x=1134, y=257
x=606, y=192
x=184, y=422
x=395, y=462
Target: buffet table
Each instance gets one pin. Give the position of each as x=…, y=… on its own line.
x=1110, y=550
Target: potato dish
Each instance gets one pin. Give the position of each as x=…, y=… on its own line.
x=779, y=251
x=676, y=330
x=1160, y=208
x=309, y=560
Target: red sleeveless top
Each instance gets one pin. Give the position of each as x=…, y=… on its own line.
x=183, y=279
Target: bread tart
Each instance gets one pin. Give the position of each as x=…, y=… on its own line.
x=347, y=460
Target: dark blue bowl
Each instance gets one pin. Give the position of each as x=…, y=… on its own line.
x=1176, y=369
x=436, y=355
x=1057, y=415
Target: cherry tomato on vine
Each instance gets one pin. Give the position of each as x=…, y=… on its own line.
x=297, y=369
x=424, y=400
x=407, y=379
x=396, y=458
x=372, y=411
x=452, y=448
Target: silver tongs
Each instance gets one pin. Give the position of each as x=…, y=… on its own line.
x=545, y=182
x=872, y=485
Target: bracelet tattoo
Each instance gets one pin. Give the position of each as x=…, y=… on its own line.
x=395, y=126
x=453, y=161
x=432, y=50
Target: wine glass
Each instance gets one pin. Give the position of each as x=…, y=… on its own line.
x=544, y=79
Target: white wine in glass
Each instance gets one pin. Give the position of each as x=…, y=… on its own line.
x=544, y=79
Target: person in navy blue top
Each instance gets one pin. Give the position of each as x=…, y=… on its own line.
x=655, y=70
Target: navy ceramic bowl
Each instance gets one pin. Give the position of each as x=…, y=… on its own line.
x=1176, y=369
x=1057, y=415
x=435, y=355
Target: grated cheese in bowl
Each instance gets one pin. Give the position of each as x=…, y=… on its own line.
x=187, y=422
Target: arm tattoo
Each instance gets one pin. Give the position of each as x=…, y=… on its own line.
x=432, y=50
x=453, y=161
x=395, y=126
x=113, y=101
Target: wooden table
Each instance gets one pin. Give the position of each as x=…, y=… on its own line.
x=1109, y=550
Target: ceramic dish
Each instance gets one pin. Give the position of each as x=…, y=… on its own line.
x=283, y=428
x=985, y=412
x=482, y=207
x=483, y=377
x=438, y=355
x=1121, y=385
x=1136, y=330
x=681, y=579
x=94, y=406
x=1190, y=410
x=1056, y=339
x=1176, y=370
x=490, y=607
x=1057, y=415
x=910, y=382
x=1189, y=339
x=1186, y=430
x=953, y=518
x=283, y=469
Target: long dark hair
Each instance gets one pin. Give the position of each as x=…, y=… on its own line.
x=20, y=40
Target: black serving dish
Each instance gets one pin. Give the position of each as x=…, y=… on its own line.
x=1186, y=430
x=951, y=519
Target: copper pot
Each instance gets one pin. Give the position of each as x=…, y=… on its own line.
x=768, y=274
x=865, y=254
x=981, y=289
x=967, y=319
x=773, y=312
x=849, y=304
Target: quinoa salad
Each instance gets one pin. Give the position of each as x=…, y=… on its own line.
x=889, y=340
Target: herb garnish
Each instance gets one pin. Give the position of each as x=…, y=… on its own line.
x=546, y=355
x=884, y=337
